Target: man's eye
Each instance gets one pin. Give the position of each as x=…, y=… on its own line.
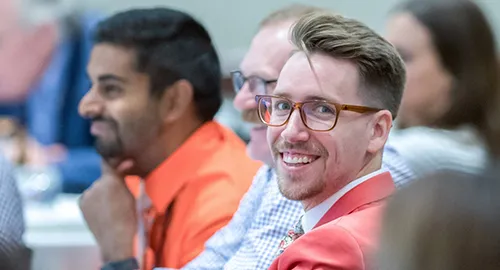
x=283, y=106
x=324, y=109
x=111, y=90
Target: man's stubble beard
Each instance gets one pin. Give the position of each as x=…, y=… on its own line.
x=299, y=189
x=111, y=149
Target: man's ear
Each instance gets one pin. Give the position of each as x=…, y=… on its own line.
x=176, y=100
x=380, y=129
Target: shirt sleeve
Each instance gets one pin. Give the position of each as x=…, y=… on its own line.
x=13, y=253
x=225, y=243
x=400, y=171
x=428, y=150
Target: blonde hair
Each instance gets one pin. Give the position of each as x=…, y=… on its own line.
x=380, y=67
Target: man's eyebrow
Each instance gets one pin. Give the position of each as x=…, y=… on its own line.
x=322, y=98
x=111, y=77
x=310, y=98
x=263, y=74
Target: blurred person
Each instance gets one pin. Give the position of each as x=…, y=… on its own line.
x=446, y=222
x=450, y=55
x=42, y=78
x=422, y=221
x=491, y=131
x=251, y=239
x=13, y=252
x=156, y=86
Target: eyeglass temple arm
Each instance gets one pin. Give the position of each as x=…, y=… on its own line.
x=359, y=109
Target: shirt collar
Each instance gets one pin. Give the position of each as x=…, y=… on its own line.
x=313, y=216
x=165, y=182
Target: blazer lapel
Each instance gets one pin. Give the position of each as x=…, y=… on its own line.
x=374, y=189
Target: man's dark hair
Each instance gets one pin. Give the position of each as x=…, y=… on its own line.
x=170, y=45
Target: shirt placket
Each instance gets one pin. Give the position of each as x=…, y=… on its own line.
x=146, y=214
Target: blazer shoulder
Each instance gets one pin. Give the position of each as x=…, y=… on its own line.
x=365, y=216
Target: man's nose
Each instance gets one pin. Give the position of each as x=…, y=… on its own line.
x=91, y=105
x=295, y=130
x=245, y=99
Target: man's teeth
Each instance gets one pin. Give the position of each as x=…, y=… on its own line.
x=296, y=160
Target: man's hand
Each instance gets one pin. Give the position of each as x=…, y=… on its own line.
x=33, y=154
x=40, y=156
x=109, y=210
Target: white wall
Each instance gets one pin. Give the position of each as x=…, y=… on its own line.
x=232, y=23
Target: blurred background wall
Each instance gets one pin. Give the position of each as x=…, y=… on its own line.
x=232, y=23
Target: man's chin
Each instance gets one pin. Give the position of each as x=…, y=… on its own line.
x=108, y=151
x=113, y=162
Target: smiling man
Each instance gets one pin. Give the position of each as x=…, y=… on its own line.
x=329, y=118
x=155, y=90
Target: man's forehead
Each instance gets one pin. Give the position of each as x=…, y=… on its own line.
x=106, y=58
x=277, y=32
x=268, y=52
x=320, y=76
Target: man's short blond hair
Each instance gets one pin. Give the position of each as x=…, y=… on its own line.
x=381, y=70
x=289, y=13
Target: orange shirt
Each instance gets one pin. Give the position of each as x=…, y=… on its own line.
x=203, y=182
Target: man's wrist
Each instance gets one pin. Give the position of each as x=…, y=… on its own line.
x=117, y=252
x=126, y=264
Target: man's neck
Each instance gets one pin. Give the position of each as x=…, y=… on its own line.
x=314, y=215
x=160, y=150
x=371, y=166
x=368, y=167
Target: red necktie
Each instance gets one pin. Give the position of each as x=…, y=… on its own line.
x=291, y=236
